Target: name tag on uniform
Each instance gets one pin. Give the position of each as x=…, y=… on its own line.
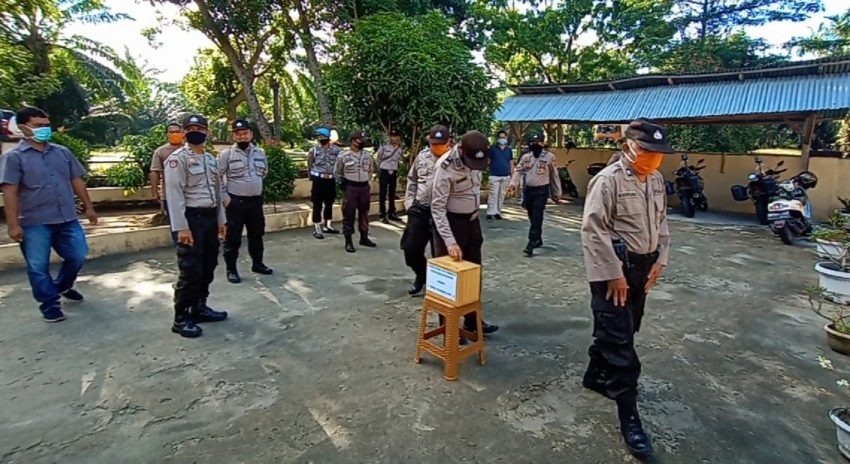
x=193, y=161
x=627, y=195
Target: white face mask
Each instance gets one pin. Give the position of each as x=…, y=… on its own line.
x=629, y=153
x=503, y=141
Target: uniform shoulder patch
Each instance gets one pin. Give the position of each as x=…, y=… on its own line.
x=172, y=163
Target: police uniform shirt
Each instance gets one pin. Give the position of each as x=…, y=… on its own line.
x=456, y=190
x=244, y=172
x=356, y=167
x=538, y=172
x=618, y=206
x=420, y=179
x=158, y=161
x=389, y=156
x=191, y=181
x=321, y=160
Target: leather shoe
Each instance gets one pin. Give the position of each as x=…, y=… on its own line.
x=416, y=288
x=529, y=249
x=204, y=313
x=364, y=240
x=385, y=220
x=394, y=217
x=233, y=277
x=318, y=235
x=487, y=328
x=498, y=217
x=637, y=441
x=262, y=269
x=186, y=327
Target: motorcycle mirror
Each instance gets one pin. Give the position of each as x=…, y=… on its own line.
x=684, y=157
x=781, y=163
x=759, y=160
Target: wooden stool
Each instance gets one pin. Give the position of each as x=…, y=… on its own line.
x=451, y=353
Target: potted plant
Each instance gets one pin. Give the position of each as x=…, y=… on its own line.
x=841, y=418
x=838, y=327
x=832, y=241
x=845, y=210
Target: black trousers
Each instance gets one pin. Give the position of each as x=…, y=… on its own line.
x=356, y=205
x=466, y=229
x=613, y=359
x=388, y=184
x=418, y=234
x=244, y=213
x=323, y=195
x=534, y=199
x=196, y=264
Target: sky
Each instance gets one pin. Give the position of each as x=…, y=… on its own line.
x=176, y=55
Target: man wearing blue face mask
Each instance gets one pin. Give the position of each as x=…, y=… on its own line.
x=501, y=168
x=39, y=180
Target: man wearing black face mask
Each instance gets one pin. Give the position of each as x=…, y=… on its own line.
x=242, y=167
x=541, y=183
x=197, y=215
x=354, y=169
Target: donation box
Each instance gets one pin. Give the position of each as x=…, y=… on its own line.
x=456, y=283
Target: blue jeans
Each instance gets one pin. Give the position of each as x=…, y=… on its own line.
x=69, y=241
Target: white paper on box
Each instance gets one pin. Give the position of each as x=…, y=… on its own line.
x=442, y=282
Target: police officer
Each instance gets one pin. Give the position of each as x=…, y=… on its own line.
x=455, y=203
x=388, y=157
x=176, y=140
x=242, y=167
x=354, y=169
x=321, y=161
x=418, y=233
x=197, y=215
x=541, y=183
x=626, y=245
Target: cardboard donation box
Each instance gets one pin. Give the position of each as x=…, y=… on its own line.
x=456, y=283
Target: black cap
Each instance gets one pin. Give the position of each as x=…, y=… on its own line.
x=439, y=134
x=358, y=134
x=650, y=136
x=195, y=120
x=535, y=138
x=475, y=149
x=240, y=124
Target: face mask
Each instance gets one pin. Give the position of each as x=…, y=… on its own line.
x=176, y=139
x=196, y=138
x=42, y=134
x=440, y=150
x=503, y=141
x=324, y=141
x=243, y=145
x=536, y=150
x=647, y=163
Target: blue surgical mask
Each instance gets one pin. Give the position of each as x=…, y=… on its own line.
x=42, y=134
x=503, y=141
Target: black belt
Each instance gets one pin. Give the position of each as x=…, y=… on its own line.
x=468, y=216
x=202, y=211
x=537, y=188
x=323, y=176
x=240, y=197
x=638, y=258
x=356, y=184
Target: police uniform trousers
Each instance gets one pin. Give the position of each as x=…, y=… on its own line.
x=466, y=229
x=244, y=213
x=614, y=363
x=356, y=203
x=388, y=184
x=323, y=195
x=534, y=200
x=196, y=264
x=417, y=235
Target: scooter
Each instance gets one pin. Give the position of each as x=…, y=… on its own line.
x=688, y=186
x=568, y=187
x=790, y=211
x=762, y=187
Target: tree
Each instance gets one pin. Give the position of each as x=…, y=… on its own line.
x=408, y=73
x=707, y=18
x=831, y=39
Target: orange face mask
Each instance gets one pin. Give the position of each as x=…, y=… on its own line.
x=647, y=163
x=176, y=139
x=440, y=150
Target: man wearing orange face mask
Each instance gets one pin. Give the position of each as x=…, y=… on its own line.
x=175, y=141
x=626, y=245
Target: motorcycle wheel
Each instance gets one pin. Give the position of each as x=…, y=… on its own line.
x=761, y=211
x=703, y=205
x=688, y=207
x=786, y=235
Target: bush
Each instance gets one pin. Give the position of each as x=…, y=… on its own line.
x=141, y=147
x=78, y=147
x=127, y=175
x=279, y=183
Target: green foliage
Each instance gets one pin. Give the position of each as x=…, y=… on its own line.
x=819, y=297
x=127, y=175
x=408, y=73
x=721, y=17
x=831, y=39
x=279, y=183
x=78, y=147
x=141, y=147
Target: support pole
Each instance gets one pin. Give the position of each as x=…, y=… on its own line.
x=808, y=135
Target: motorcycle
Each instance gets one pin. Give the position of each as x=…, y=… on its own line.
x=568, y=187
x=762, y=187
x=688, y=186
x=790, y=211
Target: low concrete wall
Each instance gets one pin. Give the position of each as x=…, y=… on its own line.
x=725, y=170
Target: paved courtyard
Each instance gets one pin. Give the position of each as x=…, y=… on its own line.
x=316, y=363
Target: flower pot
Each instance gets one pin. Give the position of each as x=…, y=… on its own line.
x=835, y=280
x=839, y=342
x=840, y=417
x=846, y=218
x=831, y=250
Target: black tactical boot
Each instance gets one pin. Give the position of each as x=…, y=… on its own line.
x=185, y=326
x=364, y=240
x=349, y=245
x=417, y=286
x=233, y=276
x=630, y=426
x=262, y=269
x=529, y=249
x=384, y=219
x=394, y=217
x=487, y=328
x=203, y=313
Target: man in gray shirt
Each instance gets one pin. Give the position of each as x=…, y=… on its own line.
x=39, y=180
x=388, y=157
x=242, y=167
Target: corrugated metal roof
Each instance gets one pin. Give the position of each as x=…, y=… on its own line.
x=795, y=94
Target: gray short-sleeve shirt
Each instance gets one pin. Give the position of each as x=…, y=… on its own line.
x=44, y=182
